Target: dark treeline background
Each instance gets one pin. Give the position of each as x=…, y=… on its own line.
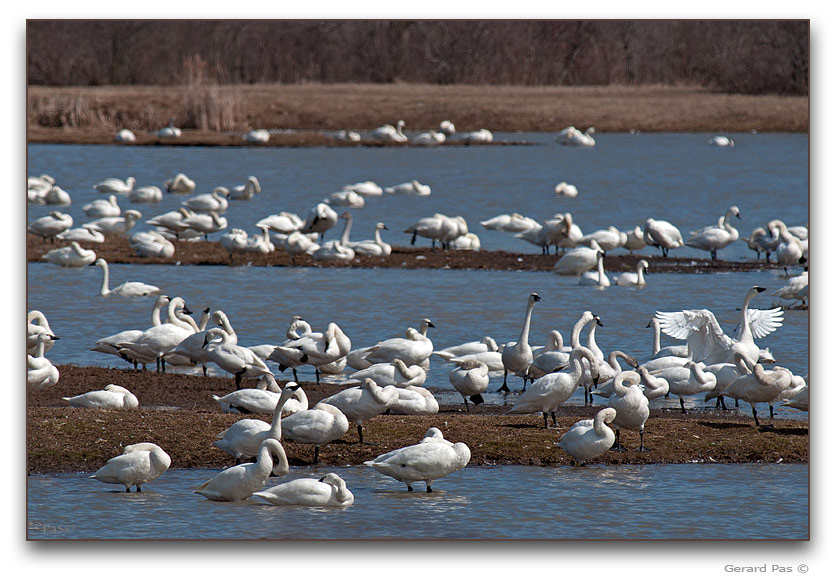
x=741, y=56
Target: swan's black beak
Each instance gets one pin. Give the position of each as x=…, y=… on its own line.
x=322, y=478
x=536, y=297
x=598, y=321
x=760, y=288
x=649, y=324
x=595, y=381
x=53, y=337
x=385, y=228
x=431, y=325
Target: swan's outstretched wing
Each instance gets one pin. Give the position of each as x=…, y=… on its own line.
x=705, y=337
x=763, y=322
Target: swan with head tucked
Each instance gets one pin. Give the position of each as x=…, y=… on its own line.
x=389, y=133
x=180, y=184
x=571, y=136
x=40, y=372
x=547, y=393
x=327, y=491
x=115, y=185
x=513, y=223
x=217, y=201
x=317, y=349
x=486, y=344
x=478, y=137
x=245, y=191
x=429, y=138
x=415, y=349
x=110, y=397
x=578, y=260
x=428, y=461
x=103, y=208
x=716, y=237
x=413, y=400
x=125, y=136
x=759, y=386
x=609, y=239
x=72, y=256
x=589, y=438
x=517, y=356
x=205, y=223
x=243, y=438
x=412, y=187
x=119, y=225
x=85, y=234
x=721, y=141
x=689, y=379
x=50, y=225
x=320, y=219
x=633, y=278
x=631, y=405
x=662, y=234
x=139, y=464
x=124, y=289
x=634, y=239
x=363, y=402
x=316, y=426
x=146, y=194
x=707, y=341
x=395, y=373
x=470, y=378
x=239, y=482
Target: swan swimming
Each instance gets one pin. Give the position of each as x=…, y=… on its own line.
x=115, y=185
x=564, y=189
x=390, y=133
x=245, y=191
x=327, y=491
x=124, y=289
x=597, y=278
x=102, y=208
x=633, y=278
x=139, y=464
x=431, y=459
x=180, y=184
x=589, y=438
x=110, y=397
x=239, y=482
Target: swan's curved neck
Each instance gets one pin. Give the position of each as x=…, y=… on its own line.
x=377, y=239
x=555, y=340
x=698, y=373
x=575, y=339
x=275, y=431
x=746, y=330
x=657, y=337
x=346, y=230
x=601, y=428
x=377, y=393
x=105, y=289
x=640, y=274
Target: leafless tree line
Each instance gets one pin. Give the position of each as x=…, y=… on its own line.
x=741, y=56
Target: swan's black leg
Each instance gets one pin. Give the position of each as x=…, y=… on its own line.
x=429, y=488
x=360, y=432
x=504, y=388
x=316, y=455
x=554, y=418
x=641, y=441
x=681, y=404
x=545, y=420
x=771, y=411
x=755, y=415
x=408, y=487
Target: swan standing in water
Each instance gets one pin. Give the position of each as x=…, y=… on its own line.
x=316, y=426
x=328, y=491
x=111, y=397
x=124, y=289
x=517, y=356
x=631, y=405
x=363, y=402
x=239, y=482
x=550, y=391
x=713, y=238
x=707, y=341
x=663, y=235
x=72, y=256
x=633, y=278
x=589, y=438
x=470, y=378
x=40, y=372
x=431, y=459
x=390, y=133
x=243, y=439
x=139, y=464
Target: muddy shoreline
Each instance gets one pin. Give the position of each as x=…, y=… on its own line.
x=177, y=412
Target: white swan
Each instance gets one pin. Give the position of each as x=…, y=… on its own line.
x=510, y=222
x=50, y=225
x=116, y=225
x=689, y=379
x=260, y=243
x=110, y=344
x=115, y=185
x=631, y=405
x=574, y=137
x=634, y=239
x=553, y=232
x=363, y=402
x=146, y=194
x=721, y=141
x=157, y=340
x=72, y=256
x=171, y=220
x=796, y=289
x=284, y=222
x=217, y=201
x=589, y=438
x=517, y=356
x=390, y=134
x=707, y=341
x=124, y=289
x=236, y=360
x=243, y=438
x=258, y=136
x=345, y=198
x=205, y=223
x=492, y=358
x=550, y=391
x=447, y=127
x=412, y=187
x=180, y=184
x=395, y=373
x=191, y=352
x=790, y=249
x=110, y=397
x=246, y=401
x=57, y=196
x=431, y=228
x=313, y=348
x=415, y=349
x=677, y=350
x=40, y=372
x=428, y=461
x=484, y=345
x=103, y=208
x=327, y=491
x=320, y=219
x=470, y=378
x=578, y=260
x=139, y=464
x=347, y=135
x=798, y=398
x=551, y=358
x=413, y=400
x=125, y=136
x=151, y=244
x=37, y=324
x=84, y=234
x=239, y=482
x=316, y=426
x=597, y=278
x=759, y=386
x=375, y=247
x=633, y=278
x=478, y=137
x=662, y=234
x=429, y=138
x=365, y=188
x=169, y=131
x=564, y=189
x=245, y=191
x=716, y=237
x=609, y=239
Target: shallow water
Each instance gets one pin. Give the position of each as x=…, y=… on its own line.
x=508, y=502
